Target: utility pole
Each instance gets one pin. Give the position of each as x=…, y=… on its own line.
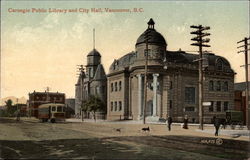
x=245, y=50
x=199, y=41
x=81, y=76
x=145, y=78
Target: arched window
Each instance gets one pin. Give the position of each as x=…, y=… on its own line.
x=219, y=65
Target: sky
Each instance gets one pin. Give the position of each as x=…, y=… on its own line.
x=43, y=49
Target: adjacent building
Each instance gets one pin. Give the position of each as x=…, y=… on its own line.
x=38, y=98
x=91, y=81
x=240, y=97
x=172, y=82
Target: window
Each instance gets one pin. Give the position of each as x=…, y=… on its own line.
x=115, y=86
x=59, y=109
x=120, y=85
x=219, y=65
x=145, y=52
x=211, y=108
x=211, y=85
x=225, y=86
x=115, y=106
x=225, y=106
x=189, y=109
x=218, y=106
x=171, y=85
x=112, y=87
x=53, y=108
x=111, y=106
x=90, y=73
x=120, y=105
x=190, y=95
x=170, y=104
x=218, y=86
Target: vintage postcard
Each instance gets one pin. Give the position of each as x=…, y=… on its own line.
x=125, y=79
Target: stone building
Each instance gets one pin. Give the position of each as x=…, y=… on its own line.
x=172, y=87
x=93, y=81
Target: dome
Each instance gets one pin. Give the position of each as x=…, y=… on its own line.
x=154, y=36
x=94, y=52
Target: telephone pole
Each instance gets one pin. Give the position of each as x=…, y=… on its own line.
x=245, y=50
x=200, y=42
x=145, y=77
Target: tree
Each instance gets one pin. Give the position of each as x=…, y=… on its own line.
x=11, y=109
x=94, y=104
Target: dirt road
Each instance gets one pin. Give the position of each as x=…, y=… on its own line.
x=32, y=139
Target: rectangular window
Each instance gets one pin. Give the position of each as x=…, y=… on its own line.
x=170, y=104
x=53, y=108
x=112, y=87
x=171, y=85
x=190, y=95
x=115, y=106
x=120, y=105
x=120, y=85
x=59, y=109
x=211, y=108
x=225, y=86
x=189, y=109
x=145, y=52
x=218, y=106
x=111, y=106
x=225, y=106
x=218, y=86
x=211, y=85
x=115, y=86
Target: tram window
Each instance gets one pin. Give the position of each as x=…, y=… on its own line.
x=53, y=108
x=59, y=109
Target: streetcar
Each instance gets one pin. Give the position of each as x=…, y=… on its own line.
x=234, y=118
x=52, y=112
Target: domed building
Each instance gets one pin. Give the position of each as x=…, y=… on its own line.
x=172, y=82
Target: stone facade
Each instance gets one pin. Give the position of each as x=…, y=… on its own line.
x=93, y=81
x=172, y=82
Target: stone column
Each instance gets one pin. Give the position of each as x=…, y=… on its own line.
x=155, y=93
x=139, y=76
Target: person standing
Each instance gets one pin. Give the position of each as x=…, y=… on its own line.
x=216, y=125
x=169, y=122
x=185, y=126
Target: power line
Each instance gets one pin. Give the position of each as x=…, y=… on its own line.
x=245, y=50
x=200, y=41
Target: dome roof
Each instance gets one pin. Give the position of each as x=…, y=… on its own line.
x=94, y=52
x=154, y=37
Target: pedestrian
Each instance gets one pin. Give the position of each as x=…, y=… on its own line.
x=169, y=122
x=18, y=115
x=185, y=126
x=217, y=126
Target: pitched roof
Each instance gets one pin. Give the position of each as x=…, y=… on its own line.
x=100, y=73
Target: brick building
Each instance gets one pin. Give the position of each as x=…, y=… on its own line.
x=38, y=98
x=172, y=87
x=240, y=97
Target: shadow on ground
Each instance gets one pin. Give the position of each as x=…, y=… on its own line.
x=143, y=147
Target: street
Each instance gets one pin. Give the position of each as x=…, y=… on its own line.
x=31, y=139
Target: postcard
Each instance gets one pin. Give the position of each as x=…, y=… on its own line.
x=124, y=80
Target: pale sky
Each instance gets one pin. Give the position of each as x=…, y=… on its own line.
x=44, y=49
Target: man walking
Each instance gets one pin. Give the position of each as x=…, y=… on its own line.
x=216, y=125
x=169, y=122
